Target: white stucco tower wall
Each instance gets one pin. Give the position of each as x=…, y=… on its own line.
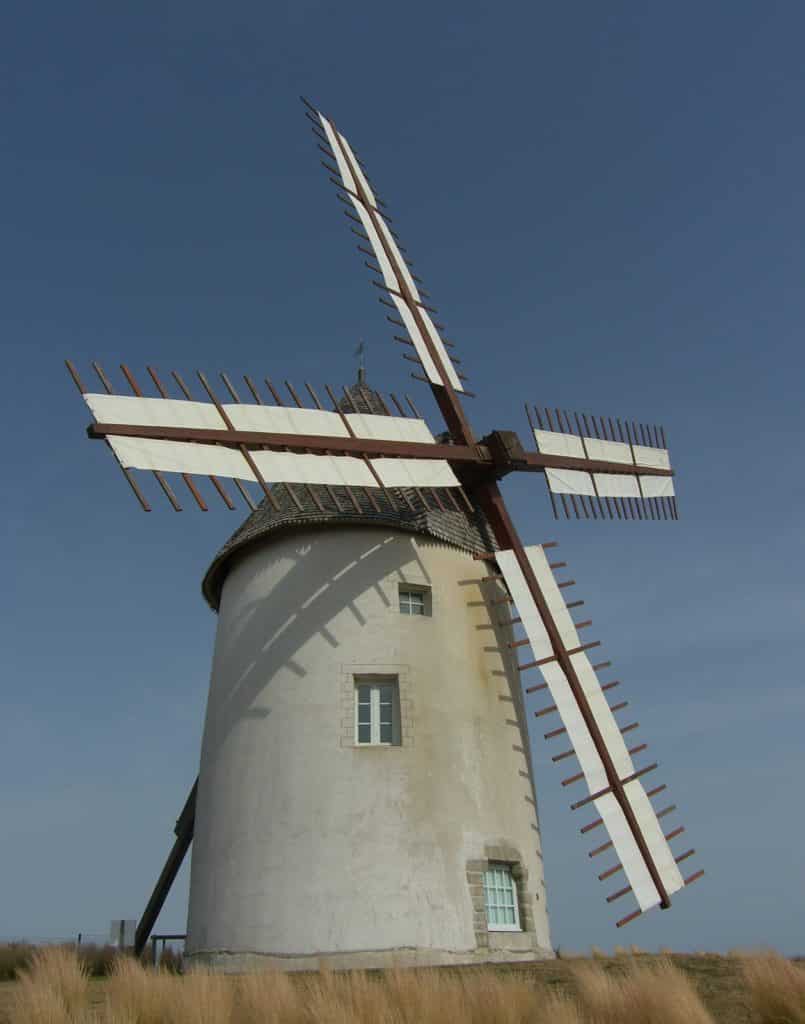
x=309, y=849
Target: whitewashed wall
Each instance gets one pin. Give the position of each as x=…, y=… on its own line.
x=309, y=847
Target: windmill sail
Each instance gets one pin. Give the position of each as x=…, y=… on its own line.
x=287, y=467
x=286, y=424
x=269, y=419
x=615, y=798
x=636, y=446
x=397, y=279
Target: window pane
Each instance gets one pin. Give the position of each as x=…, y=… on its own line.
x=377, y=712
x=412, y=602
x=501, y=911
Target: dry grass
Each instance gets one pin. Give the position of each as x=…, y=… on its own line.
x=423, y=997
x=52, y=989
x=643, y=994
x=98, y=960
x=268, y=997
x=634, y=988
x=13, y=957
x=776, y=988
x=135, y=995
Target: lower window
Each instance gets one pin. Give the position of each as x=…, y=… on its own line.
x=377, y=711
x=500, y=899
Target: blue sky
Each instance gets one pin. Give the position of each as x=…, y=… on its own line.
x=605, y=202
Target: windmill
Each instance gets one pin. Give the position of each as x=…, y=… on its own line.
x=343, y=469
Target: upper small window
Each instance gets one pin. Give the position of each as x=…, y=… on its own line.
x=500, y=897
x=414, y=600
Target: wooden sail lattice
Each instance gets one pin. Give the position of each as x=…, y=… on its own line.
x=606, y=764
x=250, y=442
x=625, y=495
x=396, y=279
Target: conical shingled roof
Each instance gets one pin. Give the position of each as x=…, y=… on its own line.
x=415, y=512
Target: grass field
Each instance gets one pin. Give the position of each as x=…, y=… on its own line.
x=645, y=989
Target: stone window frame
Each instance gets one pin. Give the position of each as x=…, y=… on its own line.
x=347, y=680
x=510, y=856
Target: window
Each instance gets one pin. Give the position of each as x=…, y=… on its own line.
x=377, y=712
x=414, y=600
x=500, y=899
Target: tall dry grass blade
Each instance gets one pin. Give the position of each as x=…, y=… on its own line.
x=351, y=998
x=495, y=997
x=326, y=1000
x=136, y=994
x=13, y=957
x=201, y=997
x=659, y=992
x=646, y=993
x=422, y=994
x=776, y=988
x=558, y=1009
x=35, y=1003
x=52, y=988
x=600, y=994
x=431, y=996
x=268, y=997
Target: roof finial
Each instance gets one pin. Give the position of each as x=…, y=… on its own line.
x=361, y=368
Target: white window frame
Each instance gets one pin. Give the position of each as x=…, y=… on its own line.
x=375, y=684
x=516, y=926
x=409, y=589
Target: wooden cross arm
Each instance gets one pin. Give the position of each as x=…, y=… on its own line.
x=538, y=461
x=479, y=455
x=296, y=442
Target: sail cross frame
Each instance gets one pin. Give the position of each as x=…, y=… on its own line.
x=245, y=441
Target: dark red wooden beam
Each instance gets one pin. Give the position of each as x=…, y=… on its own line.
x=455, y=454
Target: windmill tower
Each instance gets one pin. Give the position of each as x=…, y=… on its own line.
x=362, y=763
x=366, y=792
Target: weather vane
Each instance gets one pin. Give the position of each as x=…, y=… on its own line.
x=360, y=354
